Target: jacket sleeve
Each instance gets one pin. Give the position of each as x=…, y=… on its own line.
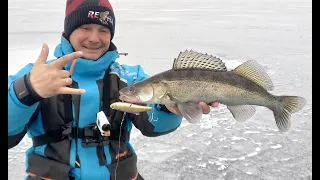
x=156, y=122
x=21, y=104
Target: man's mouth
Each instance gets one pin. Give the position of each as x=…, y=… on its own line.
x=91, y=48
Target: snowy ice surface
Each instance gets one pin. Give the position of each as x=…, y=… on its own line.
x=276, y=33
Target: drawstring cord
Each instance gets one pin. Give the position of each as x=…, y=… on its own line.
x=123, y=117
x=115, y=171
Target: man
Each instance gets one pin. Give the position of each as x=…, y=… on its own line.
x=56, y=102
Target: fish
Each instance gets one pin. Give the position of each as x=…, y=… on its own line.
x=196, y=77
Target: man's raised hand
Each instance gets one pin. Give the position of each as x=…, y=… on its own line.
x=50, y=79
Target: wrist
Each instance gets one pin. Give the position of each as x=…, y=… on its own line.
x=24, y=91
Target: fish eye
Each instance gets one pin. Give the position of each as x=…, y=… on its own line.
x=132, y=89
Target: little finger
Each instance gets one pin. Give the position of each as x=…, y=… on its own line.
x=67, y=90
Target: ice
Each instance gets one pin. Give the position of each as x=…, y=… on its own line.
x=277, y=34
x=277, y=146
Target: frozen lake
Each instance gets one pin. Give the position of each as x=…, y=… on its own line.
x=276, y=33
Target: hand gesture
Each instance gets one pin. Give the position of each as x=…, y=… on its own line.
x=49, y=79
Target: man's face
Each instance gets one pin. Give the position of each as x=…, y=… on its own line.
x=92, y=39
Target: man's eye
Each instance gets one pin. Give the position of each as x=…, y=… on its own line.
x=105, y=31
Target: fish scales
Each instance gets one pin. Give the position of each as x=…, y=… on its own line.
x=209, y=86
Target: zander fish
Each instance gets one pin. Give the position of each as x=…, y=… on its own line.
x=198, y=77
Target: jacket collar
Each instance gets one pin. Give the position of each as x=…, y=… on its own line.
x=84, y=67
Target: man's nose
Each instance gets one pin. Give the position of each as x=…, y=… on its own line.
x=93, y=36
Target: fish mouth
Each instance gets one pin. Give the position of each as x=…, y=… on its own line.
x=123, y=97
x=129, y=99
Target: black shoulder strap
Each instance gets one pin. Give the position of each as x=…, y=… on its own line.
x=67, y=101
x=57, y=135
x=106, y=93
x=106, y=110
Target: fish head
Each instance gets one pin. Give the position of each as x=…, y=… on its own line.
x=137, y=93
x=142, y=93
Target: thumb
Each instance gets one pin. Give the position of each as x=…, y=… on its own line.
x=43, y=54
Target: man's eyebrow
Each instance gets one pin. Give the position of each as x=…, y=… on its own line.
x=105, y=28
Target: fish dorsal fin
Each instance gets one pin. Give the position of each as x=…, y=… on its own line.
x=195, y=60
x=254, y=72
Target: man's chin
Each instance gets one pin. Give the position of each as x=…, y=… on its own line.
x=91, y=57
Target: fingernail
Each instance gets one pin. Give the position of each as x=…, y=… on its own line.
x=82, y=91
x=42, y=47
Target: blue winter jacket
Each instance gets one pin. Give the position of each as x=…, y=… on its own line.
x=68, y=157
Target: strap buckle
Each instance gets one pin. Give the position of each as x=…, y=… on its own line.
x=92, y=137
x=67, y=131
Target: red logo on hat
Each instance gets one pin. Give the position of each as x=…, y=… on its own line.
x=93, y=14
x=104, y=17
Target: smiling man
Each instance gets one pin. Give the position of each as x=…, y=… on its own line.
x=59, y=110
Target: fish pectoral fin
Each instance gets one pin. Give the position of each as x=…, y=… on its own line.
x=242, y=112
x=191, y=111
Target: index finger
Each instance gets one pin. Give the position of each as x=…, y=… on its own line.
x=61, y=62
x=205, y=108
x=174, y=109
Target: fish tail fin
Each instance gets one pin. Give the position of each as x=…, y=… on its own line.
x=287, y=106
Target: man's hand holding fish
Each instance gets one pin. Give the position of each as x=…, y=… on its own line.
x=204, y=106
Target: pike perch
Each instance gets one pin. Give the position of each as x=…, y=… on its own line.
x=198, y=77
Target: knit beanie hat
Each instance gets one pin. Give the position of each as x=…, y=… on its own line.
x=80, y=12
